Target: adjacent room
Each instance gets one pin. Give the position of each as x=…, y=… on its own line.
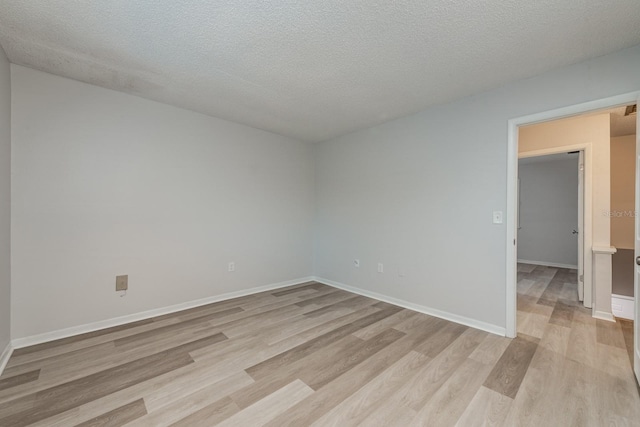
x=309, y=213
x=623, y=209
x=548, y=241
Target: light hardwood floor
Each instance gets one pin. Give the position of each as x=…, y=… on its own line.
x=315, y=355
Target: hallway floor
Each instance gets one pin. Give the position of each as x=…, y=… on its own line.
x=582, y=370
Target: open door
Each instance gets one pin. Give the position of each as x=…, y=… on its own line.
x=581, y=226
x=636, y=318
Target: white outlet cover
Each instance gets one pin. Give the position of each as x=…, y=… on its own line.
x=497, y=217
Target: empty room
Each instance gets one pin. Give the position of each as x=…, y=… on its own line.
x=308, y=213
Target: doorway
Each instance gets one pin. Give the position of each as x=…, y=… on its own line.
x=598, y=270
x=600, y=251
x=550, y=215
x=561, y=226
x=550, y=242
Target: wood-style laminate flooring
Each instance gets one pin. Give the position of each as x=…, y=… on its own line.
x=314, y=355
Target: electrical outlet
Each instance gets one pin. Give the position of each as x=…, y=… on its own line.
x=356, y=263
x=380, y=268
x=122, y=283
x=232, y=266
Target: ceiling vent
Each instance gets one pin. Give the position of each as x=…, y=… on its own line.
x=631, y=110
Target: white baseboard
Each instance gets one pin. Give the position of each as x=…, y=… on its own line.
x=548, y=264
x=476, y=324
x=622, y=306
x=4, y=357
x=117, y=321
x=603, y=315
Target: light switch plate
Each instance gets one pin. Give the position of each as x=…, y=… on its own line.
x=122, y=283
x=497, y=217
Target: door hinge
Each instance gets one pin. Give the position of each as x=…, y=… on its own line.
x=581, y=278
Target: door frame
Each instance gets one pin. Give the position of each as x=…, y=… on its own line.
x=587, y=209
x=636, y=253
x=512, y=189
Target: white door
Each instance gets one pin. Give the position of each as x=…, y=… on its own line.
x=581, y=226
x=636, y=323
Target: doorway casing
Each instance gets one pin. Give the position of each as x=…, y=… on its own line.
x=512, y=191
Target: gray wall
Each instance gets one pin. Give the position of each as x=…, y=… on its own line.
x=418, y=193
x=5, y=202
x=106, y=183
x=548, y=211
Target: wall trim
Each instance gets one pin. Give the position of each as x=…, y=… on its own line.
x=4, y=357
x=548, y=264
x=466, y=321
x=603, y=315
x=622, y=306
x=624, y=297
x=604, y=250
x=117, y=321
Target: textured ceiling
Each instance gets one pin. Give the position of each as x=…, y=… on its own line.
x=310, y=69
x=622, y=125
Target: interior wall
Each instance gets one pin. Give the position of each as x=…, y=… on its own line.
x=623, y=190
x=106, y=183
x=417, y=193
x=5, y=202
x=623, y=193
x=548, y=212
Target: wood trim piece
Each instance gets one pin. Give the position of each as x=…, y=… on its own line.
x=125, y=320
x=456, y=318
x=5, y=356
x=604, y=250
x=548, y=264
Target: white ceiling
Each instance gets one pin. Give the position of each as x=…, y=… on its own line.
x=312, y=70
